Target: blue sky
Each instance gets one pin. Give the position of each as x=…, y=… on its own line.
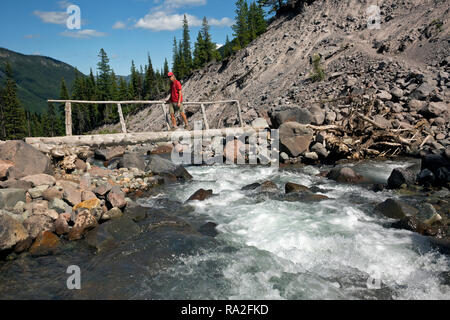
x=126, y=29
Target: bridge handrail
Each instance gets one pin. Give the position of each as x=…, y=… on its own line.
x=68, y=110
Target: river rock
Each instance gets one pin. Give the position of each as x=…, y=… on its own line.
x=132, y=160
x=201, y=195
x=35, y=224
x=109, y=153
x=59, y=206
x=293, y=187
x=114, y=213
x=345, y=175
x=88, y=195
x=52, y=193
x=260, y=123
x=84, y=222
x=295, y=138
x=209, y=229
x=318, y=115
x=38, y=191
x=71, y=194
x=161, y=167
x=100, y=239
x=395, y=209
x=269, y=186
x=116, y=198
x=401, y=176
x=94, y=207
x=61, y=226
x=11, y=232
x=103, y=189
x=15, y=184
x=320, y=150
x=80, y=165
x=435, y=109
x=428, y=214
x=9, y=197
x=281, y=115
x=424, y=90
x=27, y=159
x=252, y=186
x=45, y=244
x=426, y=178
x=40, y=180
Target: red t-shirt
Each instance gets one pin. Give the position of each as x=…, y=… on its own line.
x=175, y=87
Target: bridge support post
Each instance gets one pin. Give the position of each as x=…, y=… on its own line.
x=122, y=120
x=68, y=118
x=166, y=118
x=204, y=117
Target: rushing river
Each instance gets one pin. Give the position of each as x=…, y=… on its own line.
x=266, y=248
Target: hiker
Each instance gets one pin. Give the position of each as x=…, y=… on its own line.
x=176, y=101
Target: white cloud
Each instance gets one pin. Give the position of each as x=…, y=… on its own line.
x=64, y=4
x=119, y=25
x=84, y=34
x=162, y=20
x=224, y=22
x=173, y=4
x=165, y=21
x=52, y=17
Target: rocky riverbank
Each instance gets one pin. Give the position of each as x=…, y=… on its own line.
x=71, y=193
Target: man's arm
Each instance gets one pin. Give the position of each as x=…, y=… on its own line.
x=180, y=97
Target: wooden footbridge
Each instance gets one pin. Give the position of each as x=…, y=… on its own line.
x=126, y=138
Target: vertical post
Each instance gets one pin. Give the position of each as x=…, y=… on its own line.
x=165, y=116
x=122, y=120
x=204, y=117
x=240, y=113
x=68, y=118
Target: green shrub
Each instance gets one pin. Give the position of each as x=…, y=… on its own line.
x=318, y=73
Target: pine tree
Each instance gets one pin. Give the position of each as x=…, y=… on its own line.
x=209, y=45
x=63, y=95
x=175, y=58
x=182, y=67
x=104, y=82
x=200, y=55
x=150, y=85
x=241, y=27
x=14, y=115
x=2, y=116
x=186, y=47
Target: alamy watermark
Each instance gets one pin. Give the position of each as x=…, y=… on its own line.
x=373, y=13
x=74, y=280
x=238, y=146
x=73, y=21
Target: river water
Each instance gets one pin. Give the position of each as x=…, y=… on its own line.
x=266, y=248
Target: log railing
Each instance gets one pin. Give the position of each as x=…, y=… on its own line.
x=68, y=110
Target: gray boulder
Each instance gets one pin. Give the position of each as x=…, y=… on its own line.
x=285, y=114
x=12, y=232
x=400, y=176
x=295, y=138
x=27, y=159
x=395, y=209
x=10, y=197
x=132, y=160
x=161, y=166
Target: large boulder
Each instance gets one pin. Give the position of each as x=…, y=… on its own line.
x=295, y=188
x=38, y=180
x=37, y=223
x=15, y=184
x=94, y=206
x=395, y=209
x=71, y=193
x=439, y=165
x=46, y=243
x=27, y=159
x=201, y=195
x=12, y=232
x=345, y=175
x=84, y=222
x=435, y=109
x=285, y=114
x=161, y=166
x=109, y=153
x=116, y=198
x=9, y=197
x=132, y=160
x=295, y=138
x=401, y=176
x=4, y=167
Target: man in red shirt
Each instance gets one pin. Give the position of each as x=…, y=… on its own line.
x=176, y=101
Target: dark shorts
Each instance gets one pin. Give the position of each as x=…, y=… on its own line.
x=173, y=107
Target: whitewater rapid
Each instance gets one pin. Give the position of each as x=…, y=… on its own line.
x=272, y=249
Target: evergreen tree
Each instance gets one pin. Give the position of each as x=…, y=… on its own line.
x=200, y=55
x=64, y=95
x=186, y=47
x=209, y=46
x=150, y=83
x=104, y=80
x=14, y=119
x=2, y=116
x=241, y=28
x=182, y=67
x=175, y=58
